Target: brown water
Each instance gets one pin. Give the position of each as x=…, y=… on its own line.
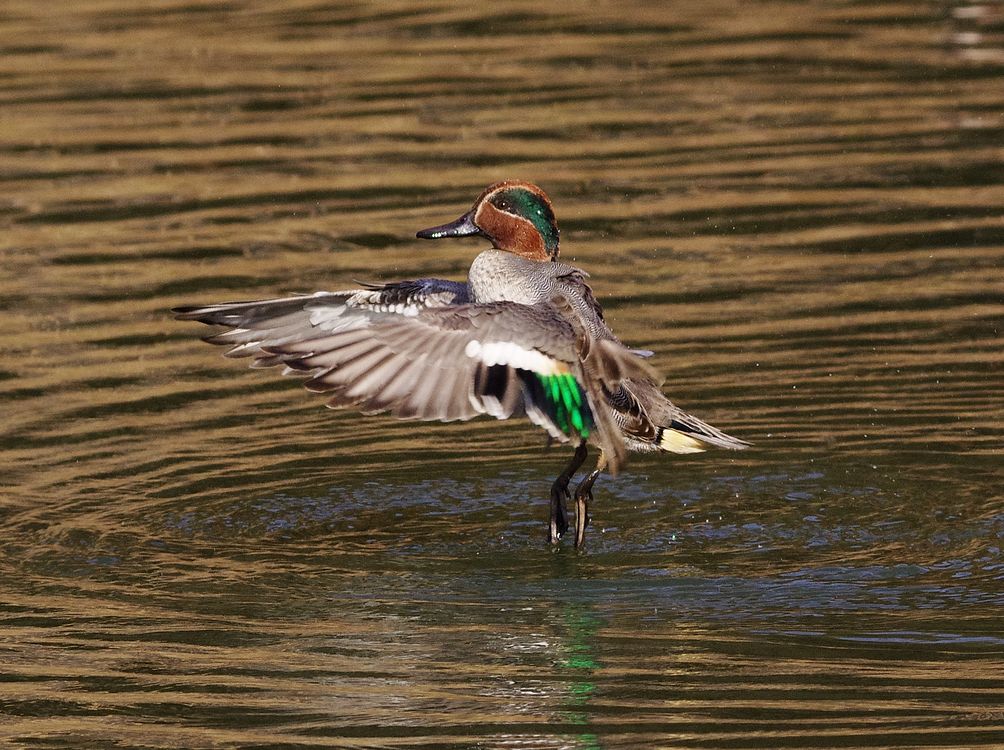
x=797, y=205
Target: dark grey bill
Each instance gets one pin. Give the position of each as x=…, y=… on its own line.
x=462, y=227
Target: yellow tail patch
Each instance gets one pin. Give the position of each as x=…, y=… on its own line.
x=679, y=442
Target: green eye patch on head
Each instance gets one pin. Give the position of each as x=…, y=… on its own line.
x=529, y=205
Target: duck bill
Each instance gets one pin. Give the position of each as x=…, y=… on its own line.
x=462, y=227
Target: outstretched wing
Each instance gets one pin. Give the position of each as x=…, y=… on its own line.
x=439, y=364
x=293, y=318
x=389, y=349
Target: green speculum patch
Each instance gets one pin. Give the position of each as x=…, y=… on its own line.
x=531, y=206
x=567, y=404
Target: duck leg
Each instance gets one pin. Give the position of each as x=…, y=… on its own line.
x=558, y=524
x=584, y=496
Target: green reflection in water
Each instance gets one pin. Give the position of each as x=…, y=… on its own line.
x=580, y=661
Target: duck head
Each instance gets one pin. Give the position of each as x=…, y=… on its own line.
x=516, y=216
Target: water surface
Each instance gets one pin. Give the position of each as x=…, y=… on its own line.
x=798, y=206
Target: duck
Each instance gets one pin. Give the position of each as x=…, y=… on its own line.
x=522, y=336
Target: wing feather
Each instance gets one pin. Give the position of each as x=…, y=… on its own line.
x=420, y=351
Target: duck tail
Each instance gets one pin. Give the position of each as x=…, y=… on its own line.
x=688, y=434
